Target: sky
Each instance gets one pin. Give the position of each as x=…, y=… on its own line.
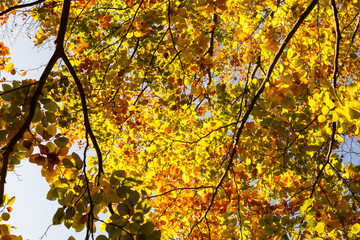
x=32, y=212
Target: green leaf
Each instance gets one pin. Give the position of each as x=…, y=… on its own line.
x=285, y=237
x=123, y=209
x=101, y=237
x=2, y=135
x=122, y=191
x=80, y=207
x=138, y=217
x=147, y=228
x=156, y=235
x=269, y=218
x=51, y=106
x=7, y=117
x=61, y=141
x=50, y=117
x=262, y=222
x=134, y=227
x=70, y=212
x=97, y=197
x=307, y=204
x=144, y=206
x=58, y=217
x=5, y=216
x=354, y=113
x=52, y=195
x=312, y=223
x=131, y=182
x=67, y=163
x=15, y=159
x=8, y=96
x=133, y=198
x=39, y=129
x=114, y=181
x=114, y=232
x=119, y=174
x=6, y=87
x=269, y=230
x=127, y=237
x=78, y=161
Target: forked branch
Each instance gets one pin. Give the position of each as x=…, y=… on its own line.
x=85, y=112
x=8, y=149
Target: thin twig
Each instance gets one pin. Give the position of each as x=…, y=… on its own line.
x=179, y=189
x=356, y=29
x=90, y=220
x=18, y=88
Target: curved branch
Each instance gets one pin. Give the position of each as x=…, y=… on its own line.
x=20, y=6
x=85, y=111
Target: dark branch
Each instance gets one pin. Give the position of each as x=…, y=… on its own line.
x=210, y=51
x=7, y=150
x=20, y=6
x=18, y=88
x=85, y=112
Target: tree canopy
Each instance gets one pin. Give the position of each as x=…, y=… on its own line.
x=207, y=119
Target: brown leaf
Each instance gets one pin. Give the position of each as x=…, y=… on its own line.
x=63, y=151
x=27, y=144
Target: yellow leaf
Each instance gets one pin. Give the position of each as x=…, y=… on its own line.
x=335, y=117
x=321, y=118
x=11, y=201
x=9, y=67
x=325, y=110
x=329, y=103
x=320, y=227
x=355, y=229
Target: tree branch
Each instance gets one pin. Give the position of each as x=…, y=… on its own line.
x=210, y=51
x=85, y=112
x=18, y=88
x=20, y=6
x=252, y=104
x=8, y=149
x=356, y=29
x=334, y=80
x=179, y=189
